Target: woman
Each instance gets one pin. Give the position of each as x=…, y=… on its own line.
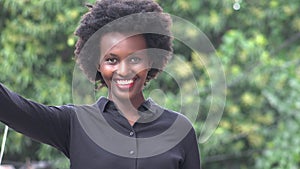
x=119, y=48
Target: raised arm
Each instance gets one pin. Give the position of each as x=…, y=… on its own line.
x=47, y=124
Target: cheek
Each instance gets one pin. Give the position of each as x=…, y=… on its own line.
x=142, y=67
x=106, y=71
x=142, y=70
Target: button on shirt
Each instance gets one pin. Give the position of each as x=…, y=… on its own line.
x=131, y=133
x=99, y=137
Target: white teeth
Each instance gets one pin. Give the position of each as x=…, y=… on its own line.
x=124, y=82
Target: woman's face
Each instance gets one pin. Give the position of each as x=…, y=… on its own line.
x=124, y=65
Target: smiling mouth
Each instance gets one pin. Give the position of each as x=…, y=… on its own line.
x=125, y=83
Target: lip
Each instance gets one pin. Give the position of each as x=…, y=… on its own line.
x=124, y=83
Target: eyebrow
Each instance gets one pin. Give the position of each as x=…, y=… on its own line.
x=136, y=53
x=110, y=54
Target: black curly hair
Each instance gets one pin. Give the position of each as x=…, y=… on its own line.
x=104, y=12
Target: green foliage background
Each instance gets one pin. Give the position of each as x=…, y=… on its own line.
x=258, y=46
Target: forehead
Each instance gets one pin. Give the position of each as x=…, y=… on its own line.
x=118, y=42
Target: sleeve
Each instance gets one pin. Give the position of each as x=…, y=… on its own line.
x=192, y=156
x=47, y=124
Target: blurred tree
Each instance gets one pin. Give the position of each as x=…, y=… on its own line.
x=36, y=54
x=256, y=41
x=258, y=44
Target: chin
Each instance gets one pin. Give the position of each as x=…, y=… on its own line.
x=123, y=94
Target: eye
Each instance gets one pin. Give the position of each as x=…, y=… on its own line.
x=111, y=60
x=135, y=60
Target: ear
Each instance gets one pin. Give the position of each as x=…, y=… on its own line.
x=150, y=64
x=98, y=68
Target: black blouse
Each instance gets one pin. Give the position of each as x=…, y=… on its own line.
x=98, y=136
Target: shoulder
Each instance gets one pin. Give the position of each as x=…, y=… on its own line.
x=177, y=116
x=176, y=119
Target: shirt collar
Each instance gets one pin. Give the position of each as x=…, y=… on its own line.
x=148, y=110
x=102, y=102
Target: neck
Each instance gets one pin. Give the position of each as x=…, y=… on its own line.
x=128, y=106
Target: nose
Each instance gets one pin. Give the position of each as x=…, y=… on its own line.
x=123, y=69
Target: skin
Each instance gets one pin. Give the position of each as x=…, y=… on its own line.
x=124, y=66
